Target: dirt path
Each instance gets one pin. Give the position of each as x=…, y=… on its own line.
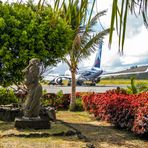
x=101, y=134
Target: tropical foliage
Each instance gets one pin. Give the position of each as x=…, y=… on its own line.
x=123, y=110
x=61, y=101
x=7, y=96
x=85, y=40
x=26, y=32
x=137, y=88
x=120, y=11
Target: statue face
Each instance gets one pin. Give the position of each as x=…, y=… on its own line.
x=34, y=61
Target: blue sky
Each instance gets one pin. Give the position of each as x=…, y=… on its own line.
x=135, y=49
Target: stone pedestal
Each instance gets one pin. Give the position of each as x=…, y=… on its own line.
x=9, y=112
x=21, y=123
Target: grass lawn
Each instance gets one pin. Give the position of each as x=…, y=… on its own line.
x=121, y=81
x=7, y=129
x=100, y=134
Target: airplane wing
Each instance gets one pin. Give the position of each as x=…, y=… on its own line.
x=136, y=70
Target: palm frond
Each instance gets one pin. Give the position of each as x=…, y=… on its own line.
x=122, y=14
x=93, y=22
x=114, y=13
x=91, y=11
x=87, y=47
x=124, y=25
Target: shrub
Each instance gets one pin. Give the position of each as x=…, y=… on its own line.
x=136, y=88
x=7, y=96
x=59, y=101
x=124, y=110
x=79, y=104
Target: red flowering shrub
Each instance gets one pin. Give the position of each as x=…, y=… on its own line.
x=121, y=109
x=61, y=101
x=58, y=102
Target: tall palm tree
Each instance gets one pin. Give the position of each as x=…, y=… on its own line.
x=84, y=41
x=120, y=10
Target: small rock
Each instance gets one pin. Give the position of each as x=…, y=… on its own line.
x=80, y=136
x=70, y=133
x=90, y=145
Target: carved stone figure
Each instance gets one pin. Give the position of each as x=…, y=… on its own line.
x=32, y=104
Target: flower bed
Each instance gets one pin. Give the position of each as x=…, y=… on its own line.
x=121, y=109
x=58, y=102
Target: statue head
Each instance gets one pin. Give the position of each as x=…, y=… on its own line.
x=34, y=61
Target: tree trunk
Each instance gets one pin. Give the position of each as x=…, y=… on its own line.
x=73, y=91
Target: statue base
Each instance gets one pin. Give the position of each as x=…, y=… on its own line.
x=33, y=123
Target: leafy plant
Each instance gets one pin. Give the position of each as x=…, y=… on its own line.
x=85, y=39
x=60, y=94
x=132, y=89
x=123, y=110
x=142, y=87
x=7, y=96
x=120, y=12
x=25, y=33
x=78, y=105
x=59, y=101
x=136, y=88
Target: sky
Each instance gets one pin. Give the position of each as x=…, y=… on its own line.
x=135, y=48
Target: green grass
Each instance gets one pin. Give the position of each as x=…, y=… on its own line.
x=51, y=142
x=101, y=134
x=120, y=81
x=7, y=128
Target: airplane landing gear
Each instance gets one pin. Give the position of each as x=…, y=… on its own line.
x=79, y=83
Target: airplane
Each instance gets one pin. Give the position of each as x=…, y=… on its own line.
x=90, y=74
x=95, y=73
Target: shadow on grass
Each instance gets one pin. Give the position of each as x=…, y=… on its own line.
x=4, y=126
x=96, y=134
x=110, y=135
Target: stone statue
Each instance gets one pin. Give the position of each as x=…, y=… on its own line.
x=32, y=104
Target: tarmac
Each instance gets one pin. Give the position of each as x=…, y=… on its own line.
x=67, y=89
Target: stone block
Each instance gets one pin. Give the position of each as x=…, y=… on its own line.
x=21, y=123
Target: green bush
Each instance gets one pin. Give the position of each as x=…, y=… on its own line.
x=142, y=87
x=7, y=96
x=79, y=105
x=61, y=101
x=136, y=88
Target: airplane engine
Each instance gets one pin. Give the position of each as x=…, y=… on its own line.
x=58, y=81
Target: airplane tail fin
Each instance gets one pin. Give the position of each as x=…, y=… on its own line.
x=98, y=56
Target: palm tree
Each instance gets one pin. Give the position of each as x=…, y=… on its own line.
x=84, y=40
x=120, y=14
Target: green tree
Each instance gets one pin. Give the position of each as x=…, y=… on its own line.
x=84, y=40
x=27, y=32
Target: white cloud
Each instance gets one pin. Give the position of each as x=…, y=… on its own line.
x=135, y=49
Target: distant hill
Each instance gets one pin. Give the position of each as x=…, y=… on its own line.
x=139, y=72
